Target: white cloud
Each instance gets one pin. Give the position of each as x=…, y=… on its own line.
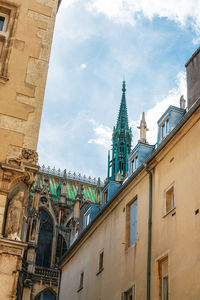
x=153, y=114
x=67, y=3
x=180, y=11
x=83, y=66
x=103, y=134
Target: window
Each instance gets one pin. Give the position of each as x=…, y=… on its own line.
x=169, y=199
x=165, y=128
x=46, y=295
x=129, y=295
x=86, y=220
x=43, y=256
x=4, y=17
x=163, y=279
x=133, y=164
x=100, y=266
x=2, y=21
x=81, y=282
x=106, y=196
x=132, y=223
x=7, y=22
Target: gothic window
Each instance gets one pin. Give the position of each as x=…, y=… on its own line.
x=43, y=257
x=61, y=247
x=46, y=295
x=8, y=19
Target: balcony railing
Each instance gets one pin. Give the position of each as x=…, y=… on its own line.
x=46, y=272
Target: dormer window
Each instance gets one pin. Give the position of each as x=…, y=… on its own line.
x=86, y=218
x=164, y=128
x=134, y=163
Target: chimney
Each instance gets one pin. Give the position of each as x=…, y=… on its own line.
x=193, y=78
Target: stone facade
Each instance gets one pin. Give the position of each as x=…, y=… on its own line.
x=53, y=222
x=26, y=31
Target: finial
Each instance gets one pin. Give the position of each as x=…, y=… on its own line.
x=124, y=86
x=143, y=129
x=182, y=102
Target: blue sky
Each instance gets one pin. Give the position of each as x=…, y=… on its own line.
x=96, y=43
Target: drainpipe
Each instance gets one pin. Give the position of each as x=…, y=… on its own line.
x=149, y=235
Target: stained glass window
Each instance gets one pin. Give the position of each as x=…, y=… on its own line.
x=43, y=257
x=47, y=295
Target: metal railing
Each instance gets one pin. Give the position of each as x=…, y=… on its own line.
x=46, y=272
x=68, y=175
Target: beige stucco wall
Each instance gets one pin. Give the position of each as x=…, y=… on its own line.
x=176, y=236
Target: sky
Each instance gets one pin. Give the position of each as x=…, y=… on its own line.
x=96, y=44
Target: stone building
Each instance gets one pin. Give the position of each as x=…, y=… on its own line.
x=144, y=243
x=26, y=31
x=53, y=222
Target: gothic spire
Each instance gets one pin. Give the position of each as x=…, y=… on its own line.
x=122, y=121
x=121, y=138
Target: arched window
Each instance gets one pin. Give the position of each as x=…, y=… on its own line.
x=46, y=295
x=43, y=257
x=61, y=247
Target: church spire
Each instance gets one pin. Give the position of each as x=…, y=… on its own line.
x=121, y=139
x=122, y=121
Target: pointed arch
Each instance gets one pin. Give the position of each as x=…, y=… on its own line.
x=45, y=239
x=61, y=247
x=47, y=294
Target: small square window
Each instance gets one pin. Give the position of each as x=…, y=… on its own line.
x=129, y=295
x=169, y=199
x=101, y=256
x=81, y=282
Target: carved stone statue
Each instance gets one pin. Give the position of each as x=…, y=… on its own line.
x=14, y=216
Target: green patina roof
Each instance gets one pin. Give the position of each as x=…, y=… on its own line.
x=54, y=186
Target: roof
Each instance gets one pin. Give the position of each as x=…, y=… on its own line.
x=135, y=174
x=53, y=183
x=192, y=57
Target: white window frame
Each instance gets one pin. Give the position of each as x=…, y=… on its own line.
x=86, y=218
x=134, y=163
x=5, y=25
x=167, y=130
x=166, y=212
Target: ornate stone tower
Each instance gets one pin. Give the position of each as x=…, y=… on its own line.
x=121, y=142
x=26, y=31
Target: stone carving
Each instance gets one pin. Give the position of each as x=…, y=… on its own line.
x=27, y=155
x=14, y=216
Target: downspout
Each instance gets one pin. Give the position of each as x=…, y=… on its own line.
x=149, y=235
